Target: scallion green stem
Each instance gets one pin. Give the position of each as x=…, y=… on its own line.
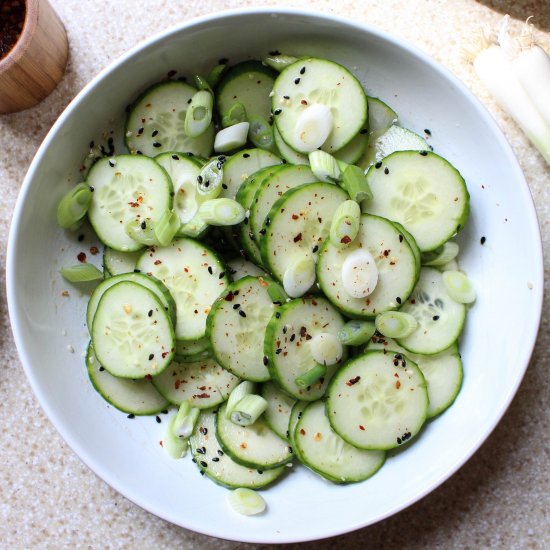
x=201, y=83
x=235, y=114
x=324, y=166
x=248, y=410
x=166, y=228
x=199, y=113
x=396, y=324
x=73, y=206
x=175, y=446
x=356, y=333
x=345, y=224
x=142, y=232
x=276, y=293
x=81, y=273
x=312, y=376
x=355, y=183
x=242, y=390
x=185, y=420
x=221, y=212
x=260, y=133
x=279, y=62
x=215, y=74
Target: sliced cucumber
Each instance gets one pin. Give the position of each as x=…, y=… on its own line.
x=242, y=165
x=151, y=283
x=442, y=371
x=325, y=452
x=412, y=244
x=355, y=149
x=395, y=262
x=204, y=383
x=194, y=276
x=423, y=192
x=440, y=318
x=249, y=83
x=127, y=189
x=254, y=446
x=287, y=344
x=236, y=326
x=310, y=82
x=218, y=466
x=116, y=262
x=138, y=397
x=298, y=223
x=279, y=407
x=239, y=268
x=271, y=189
x=377, y=401
x=295, y=415
x=156, y=122
x=188, y=351
x=287, y=152
x=132, y=334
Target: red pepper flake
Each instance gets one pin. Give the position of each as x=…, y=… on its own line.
x=161, y=443
x=263, y=282
x=314, y=302
x=345, y=239
x=361, y=427
x=353, y=381
x=229, y=297
x=243, y=445
x=386, y=253
x=295, y=216
x=81, y=257
x=302, y=431
x=201, y=396
x=148, y=377
x=157, y=262
x=164, y=354
x=298, y=238
x=177, y=384
x=397, y=384
x=186, y=269
x=94, y=250
x=133, y=204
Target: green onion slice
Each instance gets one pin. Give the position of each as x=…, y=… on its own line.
x=81, y=273
x=356, y=333
x=184, y=422
x=459, y=287
x=199, y=114
x=395, y=324
x=355, y=183
x=221, y=212
x=345, y=224
x=260, y=133
x=279, y=62
x=142, y=232
x=166, y=228
x=299, y=276
x=326, y=348
x=311, y=377
x=246, y=501
x=236, y=114
x=324, y=166
x=210, y=179
x=201, y=83
x=175, y=446
x=248, y=410
x=73, y=206
x=442, y=255
x=242, y=390
x=215, y=75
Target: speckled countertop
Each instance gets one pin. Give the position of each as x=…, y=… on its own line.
x=49, y=499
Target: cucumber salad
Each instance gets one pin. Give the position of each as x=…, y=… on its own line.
x=279, y=270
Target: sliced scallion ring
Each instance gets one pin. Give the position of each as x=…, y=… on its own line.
x=260, y=133
x=185, y=420
x=142, y=232
x=345, y=224
x=166, y=227
x=199, y=114
x=236, y=114
x=359, y=273
x=175, y=446
x=73, y=206
x=356, y=333
x=396, y=324
x=81, y=273
x=246, y=501
x=210, y=179
x=355, y=183
x=243, y=389
x=326, y=349
x=279, y=62
x=313, y=127
x=312, y=376
x=459, y=287
x=221, y=212
x=442, y=255
x=248, y=410
x=231, y=138
x=324, y=166
x=299, y=277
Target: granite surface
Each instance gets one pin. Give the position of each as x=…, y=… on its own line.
x=49, y=499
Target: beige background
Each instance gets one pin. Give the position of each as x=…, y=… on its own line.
x=49, y=499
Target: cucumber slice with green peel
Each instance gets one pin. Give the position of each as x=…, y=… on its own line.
x=132, y=333
x=245, y=197
x=325, y=452
x=412, y=243
x=295, y=415
x=271, y=189
x=287, y=152
x=137, y=397
x=243, y=164
x=239, y=268
x=287, y=349
x=423, y=192
x=183, y=171
x=279, y=407
x=395, y=262
x=127, y=189
x=203, y=383
x=298, y=223
x=192, y=350
x=440, y=318
x=310, y=82
x=195, y=277
x=236, y=326
x=254, y=446
x=377, y=401
x=355, y=149
x=214, y=463
x=153, y=284
x=249, y=83
x=156, y=122
x=116, y=262
x=442, y=371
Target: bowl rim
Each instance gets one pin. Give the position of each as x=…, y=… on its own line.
x=399, y=43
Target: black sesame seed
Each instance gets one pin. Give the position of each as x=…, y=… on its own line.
x=400, y=238
x=297, y=81
x=223, y=61
x=80, y=238
x=315, y=248
x=200, y=451
x=236, y=306
x=286, y=97
x=189, y=154
x=215, y=459
x=140, y=131
x=101, y=369
x=157, y=418
x=260, y=471
x=164, y=411
x=435, y=317
x=203, y=464
x=221, y=275
x=224, y=186
x=143, y=225
x=398, y=300
x=175, y=157
x=378, y=165
x=112, y=163
x=277, y=112
x=92, y=144
x=399, y=441
x=194, y=460
x=427, y=132
x=199, y=179
x=157, y=144
x=131, y=415
x=151, y=356
x=155, y=133
x=363, y=131
x=189, y=100
x=246, y=155
x=292, y=337
x=302, y=70
x=150, y=314
x=210, y=270
x=263, y=231
x=220, y=452
x=290, y=450
x=278, y=350
x=275, y=52
x=277, y=315
x=266, y=360
x=386, y=170
x=92, y=189
x=424, y=153
x=482, y=240
x=242, y=313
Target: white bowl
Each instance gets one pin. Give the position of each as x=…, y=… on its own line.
x=496, y=345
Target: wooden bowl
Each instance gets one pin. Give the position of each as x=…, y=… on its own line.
x=36, y=63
